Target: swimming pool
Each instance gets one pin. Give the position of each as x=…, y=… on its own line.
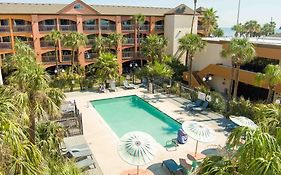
x=131, y=113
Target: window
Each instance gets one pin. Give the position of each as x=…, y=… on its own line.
x=78, y=6
x=50, y=22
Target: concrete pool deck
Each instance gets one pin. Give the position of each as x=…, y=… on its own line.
x=103, y=141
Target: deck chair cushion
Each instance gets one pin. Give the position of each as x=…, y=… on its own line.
x=172, y=166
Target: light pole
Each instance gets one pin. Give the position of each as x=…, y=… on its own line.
x=133, y=65
x=238, y=13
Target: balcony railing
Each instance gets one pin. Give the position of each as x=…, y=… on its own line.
x=140, y=40
x=90, y=27
x=110, y=27
x=159, y=27
x=4, y=29
x=30, y=43
x=68, y=27
x=90, y=56
x=68, y=58
x=129, y=41
x=22, y=28
x=127, y=54
x=47, y=27
x=5, y=45
x=48, y=58
x=45, y=44
x=128, y=27
x=144, y=27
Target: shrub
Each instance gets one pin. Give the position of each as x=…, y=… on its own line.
x=217, y=103
x=240, y=107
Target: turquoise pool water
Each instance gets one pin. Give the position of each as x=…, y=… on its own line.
x=131, y=113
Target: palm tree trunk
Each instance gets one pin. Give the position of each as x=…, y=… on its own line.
x=236, y=82
x=57, y=58
x=190, y=71
x=193, y=17
x=32, y=128
x=72, y=60
x=231, y=82
x=269, y=95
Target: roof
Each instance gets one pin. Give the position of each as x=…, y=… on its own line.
x=182, y=9
x=201, y=9
x=41, y=8
x=270, y=41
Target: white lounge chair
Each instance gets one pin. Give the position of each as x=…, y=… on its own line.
x=112, y=86
x=85, y=164
x=129, y=86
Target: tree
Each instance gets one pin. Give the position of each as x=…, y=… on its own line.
x=240, y=51
x=268, y=29
x=55, y=36
x=218, y=32
x=30, y=80
x=139, y=20
x=74, y=40
x=239, y=30
x=209, y=21
x=114, y=39
x=99, y=45
x=253, y=29
x=154, y=47
x=191, y=43
x=193, y=17
x=106, y=67
x=271, y=75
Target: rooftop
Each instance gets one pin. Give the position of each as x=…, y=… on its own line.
x=272, y=41
x=50, y=8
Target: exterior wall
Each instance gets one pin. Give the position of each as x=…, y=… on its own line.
x=219, y=84
x=176, y=26
x=209, y=55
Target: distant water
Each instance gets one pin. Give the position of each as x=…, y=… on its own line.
x=228, y=32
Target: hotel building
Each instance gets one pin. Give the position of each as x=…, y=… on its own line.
x=32, y=22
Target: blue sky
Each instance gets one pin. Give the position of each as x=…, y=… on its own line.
x=259, y=10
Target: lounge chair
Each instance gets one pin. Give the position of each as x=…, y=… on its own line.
x=128, y=86
x=201, y=108
x=85, y=164
x=112, y=86
x=191, y=105
x=172, y=166
x=79, y=154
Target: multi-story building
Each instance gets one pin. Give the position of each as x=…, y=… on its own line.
x=209, y=63
x=32, y=22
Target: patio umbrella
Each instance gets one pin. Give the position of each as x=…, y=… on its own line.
x=243, y=121
x=137, y=148
x=198, y=131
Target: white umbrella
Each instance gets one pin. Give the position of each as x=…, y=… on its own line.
x=243, y=121
x=199, y=132
x=137, y=148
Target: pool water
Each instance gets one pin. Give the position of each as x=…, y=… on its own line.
x=131, y=113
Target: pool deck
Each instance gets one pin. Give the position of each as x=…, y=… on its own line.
x=103, y=141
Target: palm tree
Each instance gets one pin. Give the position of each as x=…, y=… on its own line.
x=252, y=28
x=191, y=43
x=139, y=20
x=56, y=37
x=239, y=30
x=209, y=21
x=193, y=17
x=153, y=47
x=30, y=80
x=218, y=32
x=240, y=51
x=114, y=39
x=74, y=40
x=106, y=67
x=99, y=45
x=272, y=75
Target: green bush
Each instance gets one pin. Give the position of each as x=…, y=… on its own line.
x=217, y=103
x=240, y=107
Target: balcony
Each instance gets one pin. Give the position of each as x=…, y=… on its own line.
x=129, y=41
x=90, y=27
x=44, y=28
x=90, y=56
x=47, y=44
x=127, y=54
x=90, y=42
x=48, y=58
x=159, y=28
x=4, y=29
x=68, y=27
x=22, y=28
x=140, y=40
x=30, y=43
x=144, y=27
x=66, y=58
x=109, y=27
x=128, y=27
x=5, y=46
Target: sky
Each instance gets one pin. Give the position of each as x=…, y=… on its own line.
x=260, y=10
